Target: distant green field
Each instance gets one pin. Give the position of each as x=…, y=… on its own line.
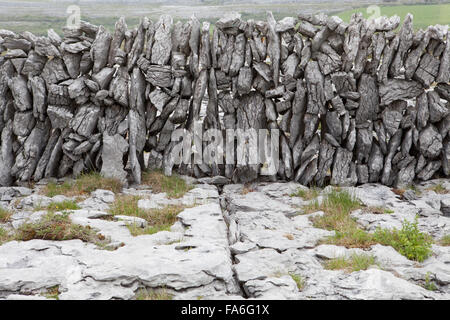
x=424, y=15
x=19, y=19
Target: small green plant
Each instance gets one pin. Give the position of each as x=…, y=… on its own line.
x=5, y=215
x=126, y=205
x=158, y=219
x=174, y=186
x=351, y=238
x=415, y=189
x=153, y=294
x=57, y=227
x=298, y=281
x=5, y=236
x=307, y=194
x=378, y=210
x=83, y=185
x=52, y=293
x=438, y=188
x=337, y=206
x=356, y=262
x=138, y=231
x=59, y=206
x=429, y=285
x=445, y=240
x=408, y=241
x=52, y=189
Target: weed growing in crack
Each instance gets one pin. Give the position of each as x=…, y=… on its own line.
x=174, y=186
x=153, y=294
x=299, y=281
x=158, y=219
x=83, y=185
x=354, y=263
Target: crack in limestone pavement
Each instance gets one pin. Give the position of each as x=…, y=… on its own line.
x=191, y=260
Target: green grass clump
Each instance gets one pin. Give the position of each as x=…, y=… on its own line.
x=150, y=294
x=307, y=194
x=52, y=293
x=5, y=215
x=378, y=210
x=429, y=285
x=138, y=231
x=158, y=219
x=439, y=188
x=355, y=263
x=174, y=186
x=299, y=281
x=57, y=227
x=337, y=206
x=353, y=237
x=52, y=189
x=5, y=236
x=408, y=241
x=83, y=185
x=445, y=240
x=59, y=206
x=126, y=205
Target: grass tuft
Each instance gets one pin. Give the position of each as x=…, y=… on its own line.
x=58, y=227
x=337, y=206
x=445, y=240
x=307, y=194
x=439, y=188
x=83, y=185
x=5, y=236
x=52, y=293
x=351, y=238
x=174, y=186
x=158, y=219
x=153, y=294
x=299, y=281
x=355, y=263
x=429, y=284
x=5, y=215
x=378, y=210
x=59, y=206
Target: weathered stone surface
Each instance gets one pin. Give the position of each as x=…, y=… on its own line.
x=315, y=85
x=112, y=156
x=162, y=44
x=368, y=107
x=100, y=49
x=430, y=142
x=395, y=89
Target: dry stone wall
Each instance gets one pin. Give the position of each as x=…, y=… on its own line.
x=366, y=101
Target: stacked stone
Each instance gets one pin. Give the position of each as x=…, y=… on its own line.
x=354, y=103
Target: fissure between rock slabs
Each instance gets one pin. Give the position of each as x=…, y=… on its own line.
x=354, y=102
x=231, y=239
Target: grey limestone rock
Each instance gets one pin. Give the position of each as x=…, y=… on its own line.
x=113, y=150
